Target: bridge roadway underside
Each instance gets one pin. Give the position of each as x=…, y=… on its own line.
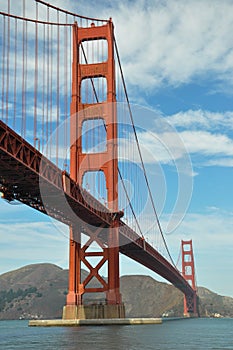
x=27, y=176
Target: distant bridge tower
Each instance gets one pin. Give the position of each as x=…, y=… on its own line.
x=188, y=272
x=83, y=111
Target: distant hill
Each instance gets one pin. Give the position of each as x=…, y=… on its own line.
x=40, y=291
x=46, y=300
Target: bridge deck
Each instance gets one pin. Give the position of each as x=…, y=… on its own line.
x=27, y=176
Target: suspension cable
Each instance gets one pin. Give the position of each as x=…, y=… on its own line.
x=3, y=66
x=7, y=61
x=34, y=20
x=178, y=259
x=36, y=79
x=72, y=13
x=140, y=154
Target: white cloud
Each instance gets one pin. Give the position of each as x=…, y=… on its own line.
x=168, y=147
x=207, y=134
x=225, y=162
x=30, y=242
x=205, y=143
x=29, y=232
x=174, y=41
x=211, y=228
x=196, y=119
x=203, y=135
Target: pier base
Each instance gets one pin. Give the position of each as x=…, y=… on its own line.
x=96, y=311
x=94, y=322
x=191, y=315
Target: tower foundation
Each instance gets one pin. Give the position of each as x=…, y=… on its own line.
x=94, y=311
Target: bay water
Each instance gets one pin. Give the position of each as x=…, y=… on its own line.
x=204, y=333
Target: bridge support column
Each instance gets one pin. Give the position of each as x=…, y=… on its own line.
x=75, y=307
x=74, y=296
x=113, y=294
x=190, y=305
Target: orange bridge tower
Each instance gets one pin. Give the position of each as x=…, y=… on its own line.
x=188, y=272
x=86, y=110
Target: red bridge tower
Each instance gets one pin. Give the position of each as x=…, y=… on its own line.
x=188, y=272
x=82, y=162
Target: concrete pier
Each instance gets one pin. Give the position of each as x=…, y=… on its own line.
x=95, y=311
x=94, y=322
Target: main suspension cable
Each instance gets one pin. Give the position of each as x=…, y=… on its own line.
x=140, y=153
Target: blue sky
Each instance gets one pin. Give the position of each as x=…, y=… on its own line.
x=177, y=58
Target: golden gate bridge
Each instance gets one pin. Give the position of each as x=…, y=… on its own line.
x=69, y=145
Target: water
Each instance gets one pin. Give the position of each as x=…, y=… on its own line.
x=191, y=334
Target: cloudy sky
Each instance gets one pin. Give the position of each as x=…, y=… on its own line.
x=177, y=58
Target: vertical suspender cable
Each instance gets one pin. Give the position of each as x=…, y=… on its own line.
x=26, y=76
x=36, y=78
x=3, y=66
x=23, y=75
x=65, y=84
x=43, y=89
x=47, y=90
x=66, y=71
x=97, y=138
x=51, y=94
x=58, y=88
x=7, y=69
x=70, y=79
x=15, y=75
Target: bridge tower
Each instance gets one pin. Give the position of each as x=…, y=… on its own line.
x=188, y=272
x=82, y=162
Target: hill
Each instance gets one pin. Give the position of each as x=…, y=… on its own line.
x=39, y=291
